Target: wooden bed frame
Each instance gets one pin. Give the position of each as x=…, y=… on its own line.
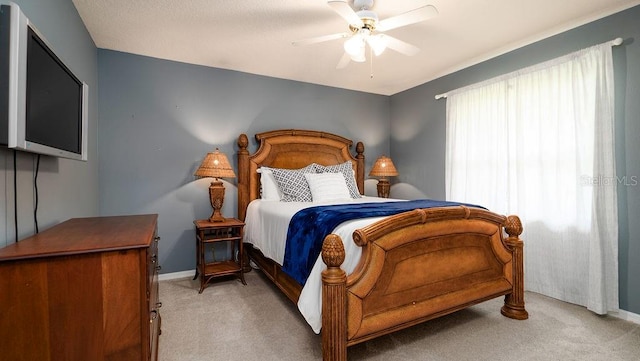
x=415, y=266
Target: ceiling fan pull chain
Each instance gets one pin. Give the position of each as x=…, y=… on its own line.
x=371, y=61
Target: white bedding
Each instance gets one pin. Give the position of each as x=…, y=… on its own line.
x=266, y=228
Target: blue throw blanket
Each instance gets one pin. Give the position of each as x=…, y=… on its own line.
x=310, y=226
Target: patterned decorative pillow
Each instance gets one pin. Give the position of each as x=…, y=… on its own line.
x=346, y=169
x=292, y=183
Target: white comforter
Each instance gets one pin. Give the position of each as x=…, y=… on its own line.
x=266, y=228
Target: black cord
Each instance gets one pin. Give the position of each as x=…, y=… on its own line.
x=35, y=186
x=15, y=193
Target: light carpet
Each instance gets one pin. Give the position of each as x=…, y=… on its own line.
x=229, y=321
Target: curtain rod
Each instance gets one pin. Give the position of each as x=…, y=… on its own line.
x=614, y=42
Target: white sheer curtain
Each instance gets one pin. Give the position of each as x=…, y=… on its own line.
x=538, y=143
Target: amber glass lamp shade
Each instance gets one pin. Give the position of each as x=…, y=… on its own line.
x=383, y=168
x=215, y=165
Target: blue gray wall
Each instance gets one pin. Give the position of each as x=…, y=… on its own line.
x=159, y=118
x=418, y=127
x=66, y=188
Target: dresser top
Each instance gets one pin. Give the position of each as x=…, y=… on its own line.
x=82, y=235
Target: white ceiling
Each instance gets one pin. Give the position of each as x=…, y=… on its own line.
x=255, y=36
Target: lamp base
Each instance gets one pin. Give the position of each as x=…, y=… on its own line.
x=216, y=196
x=384, y=187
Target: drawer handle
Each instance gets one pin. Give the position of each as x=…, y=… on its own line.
x=154, y=315
x=158, y=267
x=158, y=304
x=154, y=258
x=157, y=238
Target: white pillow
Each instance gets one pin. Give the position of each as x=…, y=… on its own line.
x=346, y=169
x=269, y=189
x=327, y=187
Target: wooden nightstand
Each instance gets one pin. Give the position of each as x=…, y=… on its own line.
x=207, y=233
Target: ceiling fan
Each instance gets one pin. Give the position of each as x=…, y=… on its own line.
x=366, y=29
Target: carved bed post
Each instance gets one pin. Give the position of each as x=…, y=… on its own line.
x=334, y=301
x=360, y=161
x=243, y=187
x=243, y=175
x=514, y=302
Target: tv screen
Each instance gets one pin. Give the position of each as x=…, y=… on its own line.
x=44, y=105
x=54, y=99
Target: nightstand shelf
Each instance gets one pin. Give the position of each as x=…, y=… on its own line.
x=221, y=268
x=209, y=233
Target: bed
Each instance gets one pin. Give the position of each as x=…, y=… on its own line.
x=413, y=266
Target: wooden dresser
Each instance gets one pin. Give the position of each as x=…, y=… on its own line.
x=86, y=289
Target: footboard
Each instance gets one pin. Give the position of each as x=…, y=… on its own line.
x=417, y=266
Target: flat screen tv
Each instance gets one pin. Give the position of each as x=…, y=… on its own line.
x=44, y=105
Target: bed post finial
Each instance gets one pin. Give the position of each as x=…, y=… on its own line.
x=243, y=142
x=513, y=226
x=514, y=301
x=359, y=149
x=333, y=251
x=334, y=301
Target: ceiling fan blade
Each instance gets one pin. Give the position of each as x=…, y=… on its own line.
x=320, y=39
x=343, y=9
x=408, y=18
x=344, y=61
x=400, y=46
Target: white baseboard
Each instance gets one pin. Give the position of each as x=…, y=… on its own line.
x=627, y=316
x=176, y=275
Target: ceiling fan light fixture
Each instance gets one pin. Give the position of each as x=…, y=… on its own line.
x=355, y=44
x=360, y=56
x=377, y=43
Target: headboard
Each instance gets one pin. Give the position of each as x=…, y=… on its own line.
x=292, y=149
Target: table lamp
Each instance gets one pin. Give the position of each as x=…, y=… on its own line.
x=215, y=165
x=383, y=168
